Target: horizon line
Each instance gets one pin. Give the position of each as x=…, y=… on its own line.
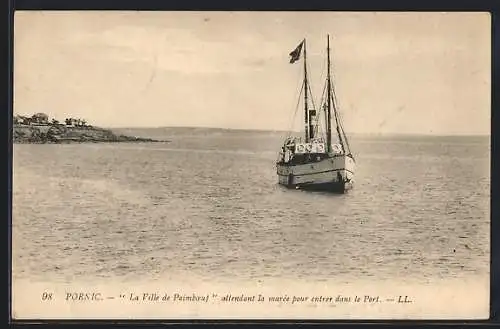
x=295, y=131
x=463, y=134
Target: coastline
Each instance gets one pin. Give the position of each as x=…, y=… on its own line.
x=62, y=134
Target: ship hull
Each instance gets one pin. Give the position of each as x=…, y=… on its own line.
x=334, y=174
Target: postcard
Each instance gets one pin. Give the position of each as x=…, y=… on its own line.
x=251, y=165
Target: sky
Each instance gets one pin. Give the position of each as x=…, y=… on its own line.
x=418, y=73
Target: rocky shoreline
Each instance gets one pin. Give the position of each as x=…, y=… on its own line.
x=62, y=134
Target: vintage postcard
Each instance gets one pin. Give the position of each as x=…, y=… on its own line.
x=251, y=165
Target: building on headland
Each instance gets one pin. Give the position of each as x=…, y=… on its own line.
x=40, y=118
x=43, y=119
x=35, y=119
x=72, y=122
x=22, y=120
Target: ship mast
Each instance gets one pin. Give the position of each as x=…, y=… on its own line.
x=306, y=112
x=329, y=112
x=330, y=94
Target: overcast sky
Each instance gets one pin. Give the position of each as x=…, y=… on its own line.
x=394, y=72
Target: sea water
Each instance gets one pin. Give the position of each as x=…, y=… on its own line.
x=207, y=204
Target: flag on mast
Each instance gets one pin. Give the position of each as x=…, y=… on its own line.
x=295, y=54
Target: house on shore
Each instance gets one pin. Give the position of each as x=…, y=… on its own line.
x=21, y=120
x=35, y=119
x=40, y=118
x=43, y=119
x=72, y=122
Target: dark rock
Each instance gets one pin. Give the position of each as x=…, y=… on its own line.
x=57, y=133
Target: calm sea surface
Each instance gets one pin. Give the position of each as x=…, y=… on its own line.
x=207, y=204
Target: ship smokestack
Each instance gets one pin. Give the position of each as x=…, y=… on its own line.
x=312, y=123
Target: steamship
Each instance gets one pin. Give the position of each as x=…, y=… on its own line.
x=316, y=161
